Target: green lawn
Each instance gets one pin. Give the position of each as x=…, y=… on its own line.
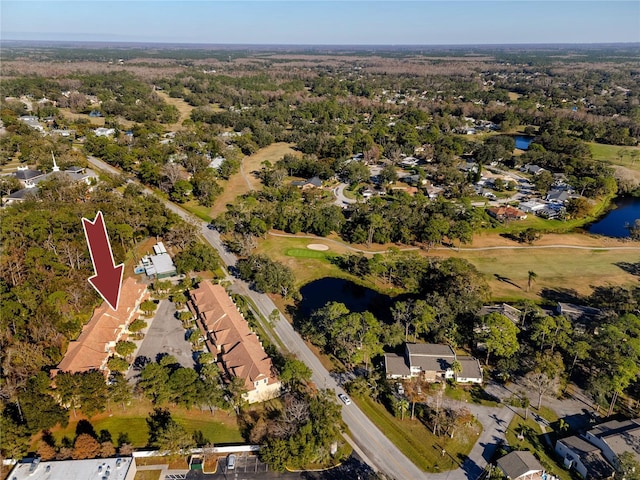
x=305, y=253
x=611, y=154
x=472, y=395
x=556, y=268
x=307, y=265
x=534, y=442
x=135, y=426
x=192, y=206
x=417, y=442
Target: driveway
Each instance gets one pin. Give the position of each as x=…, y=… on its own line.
x=165, y=334
x=341, y=199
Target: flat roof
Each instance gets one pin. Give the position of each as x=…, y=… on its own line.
x=73, y=469
x=162, y=264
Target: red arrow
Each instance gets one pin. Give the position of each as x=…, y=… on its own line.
x=108, y=278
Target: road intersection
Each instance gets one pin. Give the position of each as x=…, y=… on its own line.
x=370, y=443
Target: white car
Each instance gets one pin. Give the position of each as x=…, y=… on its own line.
x=346, y=400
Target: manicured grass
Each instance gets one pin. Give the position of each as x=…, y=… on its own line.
x=610, y=153
x=306, y=267
x=306, y=253
x=548, y=414
x=556, y=268
x=218, y=428
x=417, y=442
x=534, y=442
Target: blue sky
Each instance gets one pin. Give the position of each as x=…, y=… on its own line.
x=358, y=22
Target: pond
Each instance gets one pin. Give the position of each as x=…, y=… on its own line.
x=357, y=298
x=523, y=141
x=613, y=224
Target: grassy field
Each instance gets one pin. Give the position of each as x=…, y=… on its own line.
x=183, y=107
x=246, y=180
x=218, y=428
x=307, y=265
x=610, y=153
x=306, y=253
x=556, y=268
x=506, y=270
x=417, y=442
x=534, y=442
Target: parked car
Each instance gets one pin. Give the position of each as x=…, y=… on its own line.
x=400, y=388
x=346, y=400
x=231, y=462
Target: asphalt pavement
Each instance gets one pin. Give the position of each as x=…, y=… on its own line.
x=372, y=445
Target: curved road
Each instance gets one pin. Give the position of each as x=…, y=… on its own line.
x=378, y=451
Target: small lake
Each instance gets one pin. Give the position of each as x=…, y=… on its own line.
x=523, y=141
x=318, y=293
x=613, y=224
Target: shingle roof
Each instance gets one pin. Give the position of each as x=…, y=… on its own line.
x=396, y=365
x=470, y=367
x=590, y=455
x=516, y=464
x=430, y=349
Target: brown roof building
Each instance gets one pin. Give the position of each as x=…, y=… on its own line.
x=506, y=213
x=97, y=341
x=229, y=337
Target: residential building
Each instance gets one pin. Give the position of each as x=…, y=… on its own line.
x=508, y=311
x=121, y=468
x=238, y=350
x=577, y=312
x=521, y=465
x=506, y=213
x=432, y=362
x=158, y=266
x=30, y=178
x=585, y=458
x=534, y=169
x=97, y=341
x=615, y=438
x=313, y=182
x=33, y=122
x=104, y=132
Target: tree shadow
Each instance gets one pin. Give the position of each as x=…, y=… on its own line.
x=631, y=268
x=506, y=280
x=84, y=426
x=567, y=295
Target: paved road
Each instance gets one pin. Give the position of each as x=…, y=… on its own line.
x=341, y=199
x=370, y=443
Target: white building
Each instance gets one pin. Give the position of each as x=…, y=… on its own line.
x=123, y=468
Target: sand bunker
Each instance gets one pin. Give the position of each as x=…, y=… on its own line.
x=317, y=246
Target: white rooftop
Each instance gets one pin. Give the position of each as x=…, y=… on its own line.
x=74, y=469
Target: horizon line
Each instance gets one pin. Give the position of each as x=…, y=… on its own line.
x=181, y=43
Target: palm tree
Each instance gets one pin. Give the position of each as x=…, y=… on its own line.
x=532, y=276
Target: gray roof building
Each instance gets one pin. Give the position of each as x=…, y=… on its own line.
x=520, y=465
x=123, y=468
x=616, y=437
x=585, y=458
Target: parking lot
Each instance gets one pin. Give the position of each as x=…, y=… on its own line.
x=244, y=464
x=165, y=335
